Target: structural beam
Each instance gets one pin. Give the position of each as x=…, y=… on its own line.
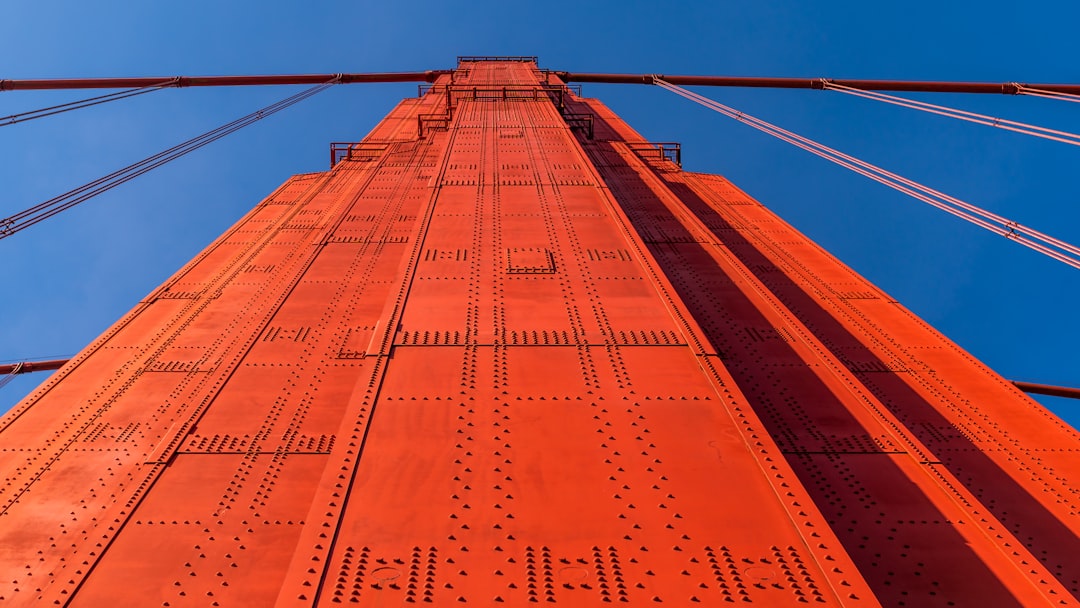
x=31, y=366
x=1048, y=389
x=929, y=86
x=213, y=81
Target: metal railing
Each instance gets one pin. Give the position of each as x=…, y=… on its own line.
x=517, y=58
x=658, y=150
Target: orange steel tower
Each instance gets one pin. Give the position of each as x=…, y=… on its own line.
x=507, y=352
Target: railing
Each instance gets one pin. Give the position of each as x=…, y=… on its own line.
x=580, y=122
x=432, y=122
x=658, y=150
x=557, y=94
x=519, y=58
x=364, y=151
x=500, y=91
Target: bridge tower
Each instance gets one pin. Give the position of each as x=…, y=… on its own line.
x=507, y=352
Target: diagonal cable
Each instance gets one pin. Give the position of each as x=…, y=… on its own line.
x=982, y=119
x=981, y=217
x=82, y=103
x=42, y=211
x=1035, y=92
x=1033, y=239
x=4, y=381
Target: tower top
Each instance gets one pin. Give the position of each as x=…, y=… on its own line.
x=518, y=58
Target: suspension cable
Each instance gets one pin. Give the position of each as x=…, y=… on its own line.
x=1033, y=239
x=15, y=371
x=982, y=119
x=1037, y=92
x=82, y=103
x=26, y=218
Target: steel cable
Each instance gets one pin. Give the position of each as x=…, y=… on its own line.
x=82, y=103
x=11, y=376
x=977, y=215
x=1035, y=92
x=982, y=119
x=42, y=211
x=1033, y=239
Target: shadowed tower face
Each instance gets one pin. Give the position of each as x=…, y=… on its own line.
x=507, y=351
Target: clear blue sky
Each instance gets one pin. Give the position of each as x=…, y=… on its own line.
x=66, y=280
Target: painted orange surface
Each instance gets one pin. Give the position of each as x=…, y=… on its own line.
x=506, y=353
